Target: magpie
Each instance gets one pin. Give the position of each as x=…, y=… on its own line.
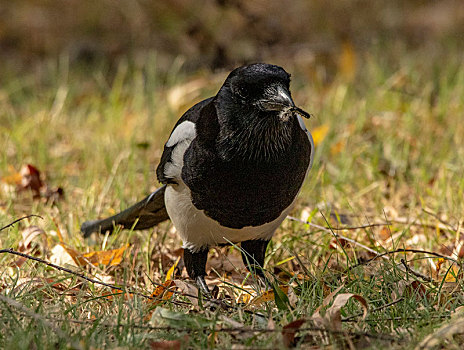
x=231, y=170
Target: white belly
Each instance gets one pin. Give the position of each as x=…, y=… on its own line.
x=199, y=231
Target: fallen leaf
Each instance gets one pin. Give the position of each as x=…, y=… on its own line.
x=110, y=257
x=162, y=292
x=333, y=315
x=170, y=272
x=60, y=255
x=189, y=289
x=453, y=274
x=289, y=331
x=438, y=265
x=415, y=289
x=265, y=297
x=31, y=179
x=169, y=344
x=29, y=234
x=270, y=295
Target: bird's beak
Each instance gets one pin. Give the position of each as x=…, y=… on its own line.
x=281, y=101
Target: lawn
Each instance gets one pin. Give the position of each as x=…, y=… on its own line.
x=380, y=215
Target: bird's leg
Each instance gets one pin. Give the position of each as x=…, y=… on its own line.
x=195, y=263
x=253, y=254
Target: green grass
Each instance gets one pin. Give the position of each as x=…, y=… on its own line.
x=393, y=151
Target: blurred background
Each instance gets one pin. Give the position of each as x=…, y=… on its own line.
x=222, y=33
x=384, y=79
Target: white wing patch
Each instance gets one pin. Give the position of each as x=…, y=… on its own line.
x=184, y=131
x=180, y=139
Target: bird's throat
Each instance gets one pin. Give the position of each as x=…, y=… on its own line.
x=262, y=139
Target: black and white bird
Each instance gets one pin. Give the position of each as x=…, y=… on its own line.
x=231, y=170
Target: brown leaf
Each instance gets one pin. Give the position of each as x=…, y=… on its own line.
x=333, y=316
x=110, y=257
x=288, y=332
x=29, y=234
x=187, y=288
x=416, y=289
x=31, y=179
x=269, y=296
x=169, y=344
x=162, y=293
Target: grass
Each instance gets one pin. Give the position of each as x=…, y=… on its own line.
x=393, y=152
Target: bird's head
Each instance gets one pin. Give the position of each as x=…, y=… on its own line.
x=262, y=90
x=256, y=113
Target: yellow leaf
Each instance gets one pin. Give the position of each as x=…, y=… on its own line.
x=74, y=254
x=439, y=263
x=320, y=133
x=162, y=292
x=452, y=274
x=268, y=296
x=110, y=257
x=171, y=270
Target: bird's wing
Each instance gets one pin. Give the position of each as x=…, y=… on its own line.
x=170, y=167
x=145, y=214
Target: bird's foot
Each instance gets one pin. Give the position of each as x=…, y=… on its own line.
x=201, y=283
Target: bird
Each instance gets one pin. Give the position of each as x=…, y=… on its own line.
x=230, y=171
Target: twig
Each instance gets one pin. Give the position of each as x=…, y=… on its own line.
x=126, y=290
x=398, y=318
x=401, y=250
x=348, y=319
x=20, y=219
x=60, y=268
x=329, y=230
x=438, y=218
x=404, y=221
x=415, y=273
x=231, y=329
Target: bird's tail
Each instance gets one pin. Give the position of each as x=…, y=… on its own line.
x=145, y=214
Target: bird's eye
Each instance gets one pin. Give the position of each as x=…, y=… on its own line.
x=242, y=92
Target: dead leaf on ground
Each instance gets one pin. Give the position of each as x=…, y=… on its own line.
x=37, y=283
x=289, y=331
x=187, y=288
x=269, y=296
x=169, y=344
x=110, y=257
x=170, y=272
x=332, y=317
x=162, y=292
x=29, y=235
x=29, y=178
